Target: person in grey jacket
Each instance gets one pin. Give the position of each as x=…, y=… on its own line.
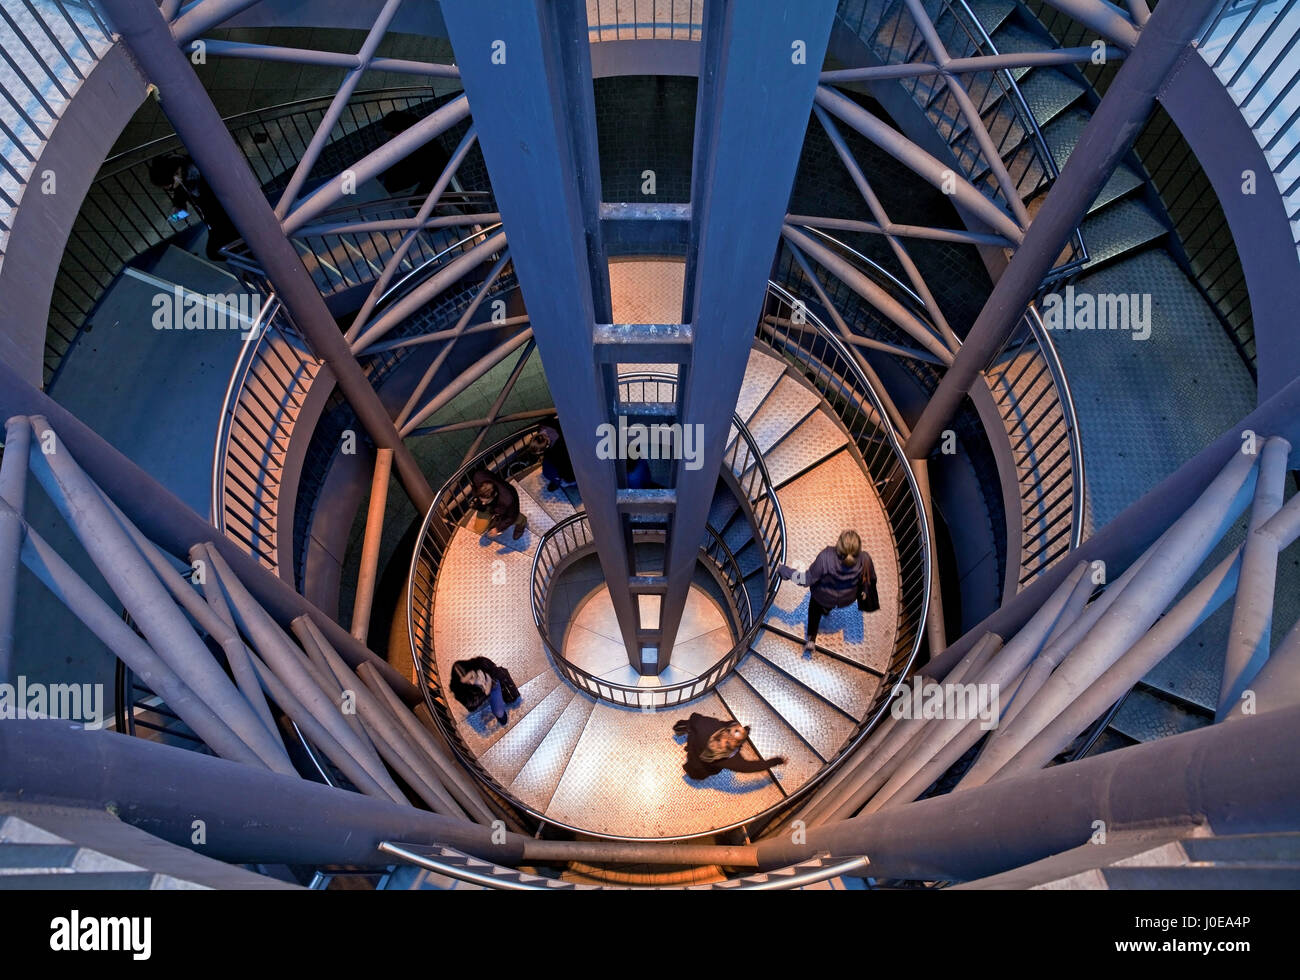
x=837, y=576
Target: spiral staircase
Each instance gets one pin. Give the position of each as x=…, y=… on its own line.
x=588, y=756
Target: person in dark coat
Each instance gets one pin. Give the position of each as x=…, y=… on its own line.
x=189, y=190
x=548, y=443
x=498, y=500
x=713, y=745
x=479, y=680
x=836, y=578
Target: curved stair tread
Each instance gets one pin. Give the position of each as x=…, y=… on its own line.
x=625, y=778
x=537, y=780
x=555, y=502
x=819, y=724
x=781, y=412
x=847, y=686
x=761, y=375
x=771, y=734
x=819, y=505
x=816, y=438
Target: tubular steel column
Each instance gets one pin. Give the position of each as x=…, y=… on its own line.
x=1107, y=137
x=758, y=74
x=526, y=66
x=196, y=121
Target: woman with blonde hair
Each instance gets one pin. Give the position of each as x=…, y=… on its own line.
x=839, y=576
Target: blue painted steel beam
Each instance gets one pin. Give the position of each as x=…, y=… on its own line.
x=526, y=68
x=760, y=68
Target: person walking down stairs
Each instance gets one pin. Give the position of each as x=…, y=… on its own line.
x=498, y=503
x=713, y=745
x=479, y=681
x=548, y=444
x=839, y=576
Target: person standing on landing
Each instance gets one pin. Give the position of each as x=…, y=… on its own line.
x=839, y=576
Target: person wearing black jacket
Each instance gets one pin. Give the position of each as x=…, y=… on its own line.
x=838, y=577
x=189, y=190
x=548, y=443
x=479, y=680
x=713, y=745
x=498, y=500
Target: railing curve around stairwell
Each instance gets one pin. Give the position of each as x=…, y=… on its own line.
x=1250, y=45
x=570, y=540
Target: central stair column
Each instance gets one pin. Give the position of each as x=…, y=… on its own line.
x=526, y=67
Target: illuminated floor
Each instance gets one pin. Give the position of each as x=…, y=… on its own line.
x=608, y=770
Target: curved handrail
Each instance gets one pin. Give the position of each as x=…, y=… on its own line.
x=575, y=530
x=764, y=511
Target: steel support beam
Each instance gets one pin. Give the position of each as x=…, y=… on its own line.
x=1125, y=538
x=13, y=491
x=1185, y=781
x=758, y=74
x=1108, y=136
x=526, y=67
x=196, y=121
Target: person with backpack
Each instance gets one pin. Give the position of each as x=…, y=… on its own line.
x=713, y=745
x=479, y=681
x=839, y=576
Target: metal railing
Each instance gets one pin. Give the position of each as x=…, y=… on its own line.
x=124, y=215
x=1251, y=46
x=1033, y=397
x=1032, y=393
x=47, y=47
x=341, y=260
x=570, y=540
x=645, y=20
x=259, y=414
x=893, y=34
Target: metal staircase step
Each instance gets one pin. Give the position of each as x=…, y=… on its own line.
x=1049, y=92
x=784, y=409
x=555, y=502
x=1231, y=877
x=1145, y=717
x=818, y=723
x=511, y=752
x=1122, y=228
x=1062, y=135
x=1190, y=673
x=847, y=686
x=818, y=437
x=761, y=375
x=537, y=780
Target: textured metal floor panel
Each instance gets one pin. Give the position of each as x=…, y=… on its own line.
x=647, y=290
x=555, y=503
x=626, y=778
x=696, y=655
x=771, y=735
x=1145, y=717
x=848, y=687
x=820, y=725
x=785, y=407
x=761, y=375
x=817, y=507
x=478, y=612
x=814, y=440
x=1124, y=227
x=540, y=775
x=539, y=522
x=524, y=733
x=481, y=731
x=592, y=652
